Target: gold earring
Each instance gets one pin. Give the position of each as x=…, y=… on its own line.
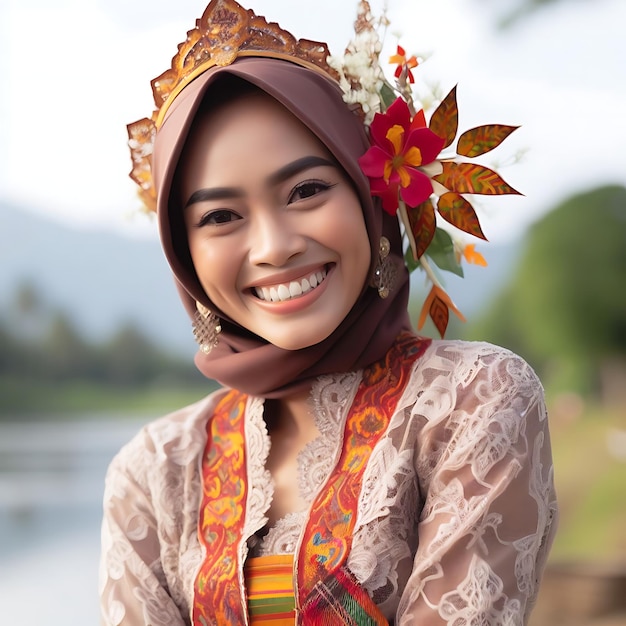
x=206, y=328
x=385, y=273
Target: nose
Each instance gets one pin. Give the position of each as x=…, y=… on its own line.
x=275, y=238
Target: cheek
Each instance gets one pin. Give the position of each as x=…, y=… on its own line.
x=214, y=266
x=350, y=236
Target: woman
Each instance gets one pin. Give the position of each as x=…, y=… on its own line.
x=348, y=472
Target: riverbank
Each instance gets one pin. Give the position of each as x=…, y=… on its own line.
x=41, y=401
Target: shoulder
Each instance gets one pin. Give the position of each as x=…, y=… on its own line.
x=475, y=405
x=176, y=439
x=470, y=377
x=466, y=363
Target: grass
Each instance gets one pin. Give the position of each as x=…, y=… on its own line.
x=591, y=486
x=22, y=399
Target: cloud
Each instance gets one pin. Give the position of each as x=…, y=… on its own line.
x=82, y=73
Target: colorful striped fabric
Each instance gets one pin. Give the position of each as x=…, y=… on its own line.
x=339, y=600
x=269, y=582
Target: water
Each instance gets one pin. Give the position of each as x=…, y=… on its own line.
x=51, y=483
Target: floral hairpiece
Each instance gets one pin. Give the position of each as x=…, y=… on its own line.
x=405, y=164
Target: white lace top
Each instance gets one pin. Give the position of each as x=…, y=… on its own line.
x=456, y=514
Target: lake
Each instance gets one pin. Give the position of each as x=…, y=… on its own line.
x=51, y=484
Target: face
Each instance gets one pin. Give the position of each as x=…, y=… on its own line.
x=275, y=230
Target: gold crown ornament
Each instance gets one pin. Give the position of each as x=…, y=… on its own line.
x=410, y=163
x=225, y=32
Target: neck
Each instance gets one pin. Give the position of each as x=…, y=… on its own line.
x=293, y=413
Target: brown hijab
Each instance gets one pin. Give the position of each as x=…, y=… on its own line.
x=242, y=360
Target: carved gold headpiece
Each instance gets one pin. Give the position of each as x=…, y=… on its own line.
x=225, y=32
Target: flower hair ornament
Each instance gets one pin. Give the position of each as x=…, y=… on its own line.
x=410, y=164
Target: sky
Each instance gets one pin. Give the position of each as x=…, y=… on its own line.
x=75, y=72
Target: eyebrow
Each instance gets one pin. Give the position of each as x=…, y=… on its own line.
x=281, y=175
x=214, y=193
x=297, y=166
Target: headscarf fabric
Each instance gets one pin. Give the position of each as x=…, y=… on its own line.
x=243, y=360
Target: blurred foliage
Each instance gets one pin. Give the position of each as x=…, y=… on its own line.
x=565, y=308
x=43, y=355
x=591, y=494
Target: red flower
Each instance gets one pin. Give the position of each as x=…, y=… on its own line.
x=403, y=62
x=400, y=147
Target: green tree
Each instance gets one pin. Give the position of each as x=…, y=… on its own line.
x=131, y=358
x=27, y=315
x=565, y=308
x=9, y=349
x=67, y=354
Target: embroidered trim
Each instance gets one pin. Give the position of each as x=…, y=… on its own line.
x=328, y=535
x=221, y=515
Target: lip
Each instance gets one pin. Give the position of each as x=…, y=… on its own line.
x=295, y=304
x=287, y=276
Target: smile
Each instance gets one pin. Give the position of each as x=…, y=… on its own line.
x=293, y=289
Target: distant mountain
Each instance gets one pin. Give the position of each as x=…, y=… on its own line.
x=103, y=279
x=100, y=279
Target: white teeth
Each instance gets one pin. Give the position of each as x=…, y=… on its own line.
x=282, y=292
x=295, y=289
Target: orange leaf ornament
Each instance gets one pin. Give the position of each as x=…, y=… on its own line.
x=445, y=120
x=422, y=225
x=438, y=305
x=482, y=139
x=471, y=178
x=456, y=210
x=471, y=256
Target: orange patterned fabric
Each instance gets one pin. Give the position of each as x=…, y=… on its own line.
x=328, y=533
x=219, y=596
x=220, y=525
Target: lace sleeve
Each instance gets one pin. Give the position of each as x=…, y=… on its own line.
x=132, y=583
x=489, y=512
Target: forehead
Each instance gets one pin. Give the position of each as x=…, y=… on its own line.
x=252, y=113
x=252, y=130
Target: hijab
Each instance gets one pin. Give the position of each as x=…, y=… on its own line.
x=243, y=360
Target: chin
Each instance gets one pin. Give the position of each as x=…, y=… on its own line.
x=293, y=343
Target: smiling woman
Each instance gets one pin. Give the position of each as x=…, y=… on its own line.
x=279, y=244
x=349, y=471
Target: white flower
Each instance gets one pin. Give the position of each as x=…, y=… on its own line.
x=360, y=75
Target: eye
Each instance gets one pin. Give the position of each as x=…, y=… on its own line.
x=308, y=189
x=219, y=216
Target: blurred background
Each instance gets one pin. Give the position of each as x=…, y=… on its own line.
x=93, y=340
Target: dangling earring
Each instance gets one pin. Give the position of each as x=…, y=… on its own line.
x=385, y=273
x=206, y=328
